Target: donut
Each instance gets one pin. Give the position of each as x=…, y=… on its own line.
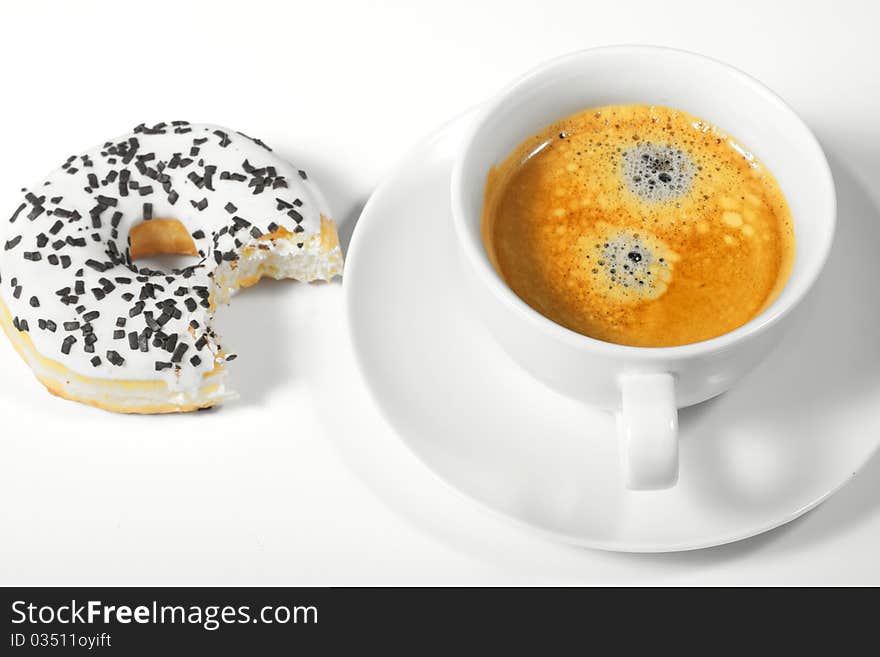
x=97, y=327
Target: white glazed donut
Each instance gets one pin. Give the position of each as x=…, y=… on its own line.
x=97, y=328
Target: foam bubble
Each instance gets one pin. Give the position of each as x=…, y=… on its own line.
x=657, y=172
x=630, y=266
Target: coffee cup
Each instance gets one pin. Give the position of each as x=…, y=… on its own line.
x=644, y=386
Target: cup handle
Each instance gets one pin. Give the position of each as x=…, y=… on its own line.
x=648, y=431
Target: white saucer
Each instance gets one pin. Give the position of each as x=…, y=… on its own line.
x=791, y=434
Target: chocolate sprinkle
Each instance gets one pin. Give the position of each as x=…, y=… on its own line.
x=66, y=344
x=179, y=352
x=17, y=212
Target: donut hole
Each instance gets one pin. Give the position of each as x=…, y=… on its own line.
x=162, y=244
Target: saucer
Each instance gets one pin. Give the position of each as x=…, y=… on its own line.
x=788, y=436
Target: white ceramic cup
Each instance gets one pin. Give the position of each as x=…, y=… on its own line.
x=645, y=386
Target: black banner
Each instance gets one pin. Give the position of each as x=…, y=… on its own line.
x=134, y=621
x=256, y=621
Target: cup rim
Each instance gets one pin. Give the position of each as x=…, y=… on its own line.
x=478, y=258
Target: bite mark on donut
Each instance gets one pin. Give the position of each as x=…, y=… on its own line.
x=329, y=236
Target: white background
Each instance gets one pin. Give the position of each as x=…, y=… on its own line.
x=301, y=482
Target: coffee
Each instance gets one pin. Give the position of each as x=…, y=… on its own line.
x=638, y=225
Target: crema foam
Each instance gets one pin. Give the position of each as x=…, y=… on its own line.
x=639, y=225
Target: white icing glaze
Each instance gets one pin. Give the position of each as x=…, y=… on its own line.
x=265, y=190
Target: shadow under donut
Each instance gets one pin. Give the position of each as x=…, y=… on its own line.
x=265, y=324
